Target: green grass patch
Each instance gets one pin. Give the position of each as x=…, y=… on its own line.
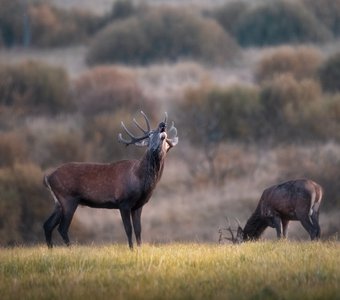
x=263, y=270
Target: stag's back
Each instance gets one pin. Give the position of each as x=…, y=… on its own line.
x=94, y=180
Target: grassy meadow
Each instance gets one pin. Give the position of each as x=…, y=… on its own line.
x=262, y=270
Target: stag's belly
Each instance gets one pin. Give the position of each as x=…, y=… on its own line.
x=108, y=204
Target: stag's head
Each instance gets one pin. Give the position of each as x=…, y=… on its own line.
x=160, y=139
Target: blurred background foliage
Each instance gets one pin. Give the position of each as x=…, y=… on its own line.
x=291, y=105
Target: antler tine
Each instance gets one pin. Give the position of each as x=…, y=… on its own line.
x=127, y=131
x=238, y=222
x=140, y=127
x=146, y=121
x=135, y=140
x=122, y=140
x=229, y=229
x=166, y=117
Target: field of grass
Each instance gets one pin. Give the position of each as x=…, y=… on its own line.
x=263, y=270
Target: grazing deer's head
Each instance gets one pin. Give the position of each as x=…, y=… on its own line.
x=234, y=238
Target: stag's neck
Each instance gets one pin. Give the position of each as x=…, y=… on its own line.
x=151, y=168
x=255, y=226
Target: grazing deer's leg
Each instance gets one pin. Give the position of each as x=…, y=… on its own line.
x=51, y=223
x=136, y=220
x=285, y=223
x=277, y=225
x=308, y=225
x=68, y=211
x=315, y=220
x=126, y=217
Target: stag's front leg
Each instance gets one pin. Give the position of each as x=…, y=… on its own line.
x=137, y=226
x=126, y=218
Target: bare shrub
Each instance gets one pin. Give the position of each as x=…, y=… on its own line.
x=301, y=62
x=330, y=74
x=108, y=89
x=279, y=22
x=34, y=87
x=162, y=34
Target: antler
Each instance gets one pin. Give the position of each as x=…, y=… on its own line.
x=232, y=238
x=138, y=141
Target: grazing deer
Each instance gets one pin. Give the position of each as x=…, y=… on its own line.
x=294, y=200
x=125, y=185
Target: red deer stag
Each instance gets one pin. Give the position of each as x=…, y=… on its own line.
x=125, y=185
x=294, y=200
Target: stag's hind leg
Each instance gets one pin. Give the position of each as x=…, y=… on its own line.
x=51, y=223
x=69, y=208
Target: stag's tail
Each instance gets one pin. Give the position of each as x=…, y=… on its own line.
x=47, y=184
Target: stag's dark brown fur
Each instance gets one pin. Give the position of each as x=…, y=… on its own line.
x=295, y=200
x=125, y=185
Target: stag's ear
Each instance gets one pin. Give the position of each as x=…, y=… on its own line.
x=172, y=138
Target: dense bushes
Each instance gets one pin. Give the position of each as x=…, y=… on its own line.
x=11, y=22
x=279, y=22
x=327, y=11
x=283, y=110
x=162, y=34
x=23, y=203
x=34, y=87
x=41, y=24
x=330, y=74
x=108, y=89
x=229, y=14
x=300, y=62
x=51, y=26
x=220, y=114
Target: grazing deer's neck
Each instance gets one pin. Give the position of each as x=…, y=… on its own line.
x=255, y=226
